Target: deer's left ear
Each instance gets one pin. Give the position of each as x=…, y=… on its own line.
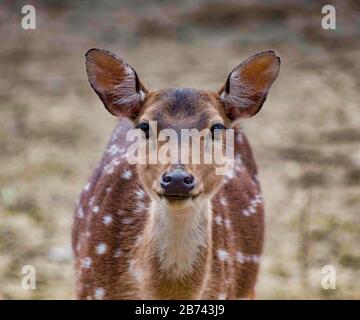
x=115, y=82
x=248, y=84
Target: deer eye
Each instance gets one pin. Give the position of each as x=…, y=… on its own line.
x=145, y=128
x=216, y=126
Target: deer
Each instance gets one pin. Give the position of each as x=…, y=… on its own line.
x=175, y=230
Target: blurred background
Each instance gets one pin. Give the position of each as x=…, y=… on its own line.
x=306, y=139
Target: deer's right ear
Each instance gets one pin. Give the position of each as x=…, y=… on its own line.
x=115, y=82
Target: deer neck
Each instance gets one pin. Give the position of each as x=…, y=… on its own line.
x=177, y=244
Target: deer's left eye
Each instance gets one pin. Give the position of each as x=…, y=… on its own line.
x=145, y=128
x=216, y=126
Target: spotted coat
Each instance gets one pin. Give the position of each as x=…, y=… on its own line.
x=113, y=210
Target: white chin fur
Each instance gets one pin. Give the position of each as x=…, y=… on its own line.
x=177, y=204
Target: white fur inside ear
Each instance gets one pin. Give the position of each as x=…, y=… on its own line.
x=124, y=93
x=222, y=96
x=239, y=93
x=249, y=84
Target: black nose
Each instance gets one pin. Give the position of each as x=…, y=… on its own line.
x=177, y=183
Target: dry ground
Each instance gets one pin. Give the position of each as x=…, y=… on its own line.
x=306, y=139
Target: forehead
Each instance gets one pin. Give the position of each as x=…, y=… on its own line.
x=181, y=109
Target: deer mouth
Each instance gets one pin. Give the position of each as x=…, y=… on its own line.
x=176, y=198
x=173, y=197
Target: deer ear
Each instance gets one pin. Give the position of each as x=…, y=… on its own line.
x=115, y=82
x=248, y=84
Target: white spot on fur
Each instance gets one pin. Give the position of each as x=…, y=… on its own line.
x=218, y=220
x=96, y=209
x=99, y=293
x=101, y=248
x=238, y=163
x=223, y=255
x=86, y=263
x=80, y=212
x=91, y=201
x=242, y=258
x=127, y=174
x=140, y=193
x=223, y=201
x=127, y=221
x=227, y=223
x=110, y=167
x=236, y=166
x=114, y=149
x=140, y=206
x=254, y=202
x=107, y=219
x=108, y=190
x=87, y=187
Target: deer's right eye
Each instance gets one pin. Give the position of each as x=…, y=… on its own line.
x=145, y=128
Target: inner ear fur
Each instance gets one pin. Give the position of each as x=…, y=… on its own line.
x=247, y=86
x=115, y=82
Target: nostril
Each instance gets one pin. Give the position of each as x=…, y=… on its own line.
x=189, y=180
x=166, y=179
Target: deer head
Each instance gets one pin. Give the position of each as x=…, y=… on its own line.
x=123, y=94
